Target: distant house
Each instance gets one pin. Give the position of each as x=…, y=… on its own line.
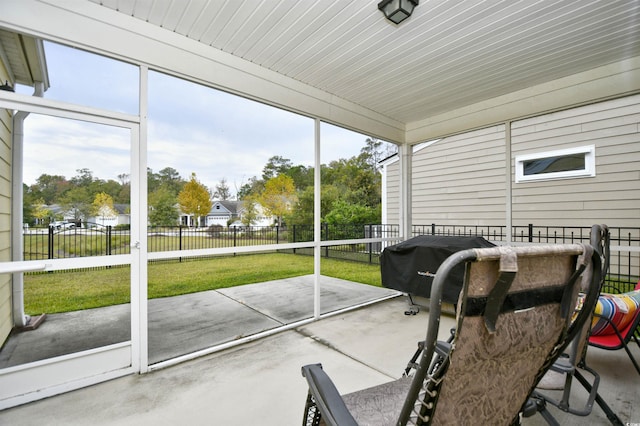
x=227, y=212
x=119, y=215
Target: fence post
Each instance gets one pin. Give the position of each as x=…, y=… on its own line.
x=370, y=244
x=293, y=236
x=235, y=233
x=180, y=240
x=326, y=236
x=433, y=229
x=531, y=232
x=108, y=240
x=50, y=243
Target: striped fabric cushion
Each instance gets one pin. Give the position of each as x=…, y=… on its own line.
x=619, y=308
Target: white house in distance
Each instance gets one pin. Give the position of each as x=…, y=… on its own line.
x=107, y=216
x=230, y=213
x=224, y=212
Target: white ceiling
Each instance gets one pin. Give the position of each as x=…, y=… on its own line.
x=448, y=54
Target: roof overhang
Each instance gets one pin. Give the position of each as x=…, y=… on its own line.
x=24, y=59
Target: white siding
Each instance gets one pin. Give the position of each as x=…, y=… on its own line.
x=613, y=195
x=392, y=191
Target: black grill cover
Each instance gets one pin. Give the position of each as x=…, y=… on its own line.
x=400, y=264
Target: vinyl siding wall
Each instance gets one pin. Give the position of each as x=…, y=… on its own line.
x=461, y=179
x=6, y=319
x=392, y=193
x=612, y=196
x=456, y=180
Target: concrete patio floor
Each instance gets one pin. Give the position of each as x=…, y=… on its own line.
x=188, y=323
x=260, y=382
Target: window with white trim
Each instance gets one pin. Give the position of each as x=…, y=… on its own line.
x=561, y=164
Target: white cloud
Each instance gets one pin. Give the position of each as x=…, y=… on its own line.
x=57, y=146
x=192, y=128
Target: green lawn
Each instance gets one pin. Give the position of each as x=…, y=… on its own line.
x=72, y=291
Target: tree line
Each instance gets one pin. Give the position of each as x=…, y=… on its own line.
x=350, y=192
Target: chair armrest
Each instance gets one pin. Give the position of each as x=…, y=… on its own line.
x=443, y=348
x=327, y=398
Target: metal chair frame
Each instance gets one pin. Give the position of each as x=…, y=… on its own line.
x=325, y=404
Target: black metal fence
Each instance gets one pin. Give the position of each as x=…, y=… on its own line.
x=361, y=252
x=531, y=233
x=624, y=270
x=94, y=240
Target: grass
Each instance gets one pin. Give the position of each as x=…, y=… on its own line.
x=78, y=290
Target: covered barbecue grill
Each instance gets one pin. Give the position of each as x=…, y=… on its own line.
x=410, y=266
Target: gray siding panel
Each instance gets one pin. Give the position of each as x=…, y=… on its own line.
x=613, y=195
x=460, y=179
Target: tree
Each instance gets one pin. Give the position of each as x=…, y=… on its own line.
x=123, y=178
x=103, y=205
x=194, y=198
x=250, y=210
x=253, y=186
x=78, y=201
x=355, y=179
x=344, y=213
x=375, y=150
x=110, y=187
x=302, y=176
x=278, y=196
x=84, y=178
x=371, y=152
x=275, y=166
x=163, y=211
x=222, y=191
x=40, y=212
x=153, y=181
x=122, y=193
x=302, y=212
x=49, y=188
x=170, y=179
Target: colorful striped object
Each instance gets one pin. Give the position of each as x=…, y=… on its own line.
x=617, y=308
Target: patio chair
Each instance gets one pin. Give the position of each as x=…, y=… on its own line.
x=514, y=320
x=614, y=330
x=571, y=364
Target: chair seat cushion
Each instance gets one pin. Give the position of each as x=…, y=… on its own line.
x=620, y=309
x=379, y=405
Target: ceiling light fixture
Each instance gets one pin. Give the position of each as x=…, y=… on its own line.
x=397, y=10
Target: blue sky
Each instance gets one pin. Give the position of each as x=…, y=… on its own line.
x=192, y=128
